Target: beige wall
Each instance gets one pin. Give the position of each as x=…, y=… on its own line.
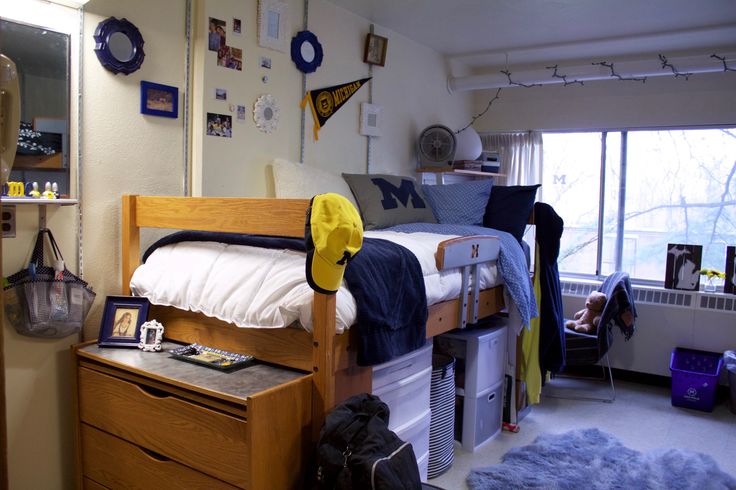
x=661, y=101
x=411, y=90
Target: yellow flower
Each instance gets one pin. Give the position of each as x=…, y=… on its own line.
x=711, y=273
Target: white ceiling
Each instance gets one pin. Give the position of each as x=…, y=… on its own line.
x=483, y=32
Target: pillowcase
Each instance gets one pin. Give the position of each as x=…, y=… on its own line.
x=296, y=180
x=387, y=200
x=509, y=208
x=459, y=204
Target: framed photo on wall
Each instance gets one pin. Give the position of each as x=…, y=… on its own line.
x=159, y=100
x=375, y=50
x=730, y=285
x=273, y=25
x=683, y=266
x=122, y=320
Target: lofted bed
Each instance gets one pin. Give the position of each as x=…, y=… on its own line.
x=330, y=358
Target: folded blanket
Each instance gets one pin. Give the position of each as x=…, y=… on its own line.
x=384, y=278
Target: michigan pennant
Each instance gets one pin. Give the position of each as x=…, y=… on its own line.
x=326, y=101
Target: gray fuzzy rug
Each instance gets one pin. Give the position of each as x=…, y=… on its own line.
x=591, y=459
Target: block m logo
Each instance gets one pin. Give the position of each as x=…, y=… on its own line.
x=474, y=251
x=403, y=193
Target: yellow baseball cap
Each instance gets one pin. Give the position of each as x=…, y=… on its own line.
x=333, y=235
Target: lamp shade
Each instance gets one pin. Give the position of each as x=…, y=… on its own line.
x=468, y=145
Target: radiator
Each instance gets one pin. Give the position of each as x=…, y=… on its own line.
x=667, y=319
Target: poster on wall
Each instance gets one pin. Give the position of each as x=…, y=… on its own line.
x=219, y=125
x=730, y=284
x=683, y=266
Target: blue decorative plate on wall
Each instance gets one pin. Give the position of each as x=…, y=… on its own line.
x=306, y=51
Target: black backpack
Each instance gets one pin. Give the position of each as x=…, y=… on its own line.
x=356, y=450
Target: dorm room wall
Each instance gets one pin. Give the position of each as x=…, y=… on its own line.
x=126, y=152
x=706, y=99
x=410, y=89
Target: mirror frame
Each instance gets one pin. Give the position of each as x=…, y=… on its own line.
x=104, y=31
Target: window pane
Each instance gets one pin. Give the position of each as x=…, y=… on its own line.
x=571, y=179
x=680, y=188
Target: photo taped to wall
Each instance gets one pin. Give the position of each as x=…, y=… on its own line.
x=219, y=125
x=217, y=37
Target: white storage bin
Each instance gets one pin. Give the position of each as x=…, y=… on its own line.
x=423, y=463
x=407, y=398
x=480, y=357
x=478, y=420
x=401, y=367
x=416, y=432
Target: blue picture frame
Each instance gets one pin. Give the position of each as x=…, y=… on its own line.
x=159, y=100
x=122, y=320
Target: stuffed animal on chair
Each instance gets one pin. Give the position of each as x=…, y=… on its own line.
x=587, y=320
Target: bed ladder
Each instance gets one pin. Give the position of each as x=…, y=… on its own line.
x=468, y=253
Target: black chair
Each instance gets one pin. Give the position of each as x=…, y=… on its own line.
x=583, y=349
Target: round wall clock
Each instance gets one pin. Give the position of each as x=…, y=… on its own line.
x=306, y=51
x=266, y=113
x=119, y=45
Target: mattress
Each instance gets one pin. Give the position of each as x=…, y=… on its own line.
x=266, y=288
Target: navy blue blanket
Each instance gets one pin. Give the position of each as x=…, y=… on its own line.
x=384, y=278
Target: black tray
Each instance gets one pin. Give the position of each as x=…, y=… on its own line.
x=214, y=358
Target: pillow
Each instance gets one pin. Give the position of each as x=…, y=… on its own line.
x=387, y=200
x=509, y=208
x=459, y=204
x=296, y=180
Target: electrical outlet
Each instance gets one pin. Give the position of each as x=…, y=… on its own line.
x=8, y=221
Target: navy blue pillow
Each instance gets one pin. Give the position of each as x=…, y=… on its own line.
x=509, y=208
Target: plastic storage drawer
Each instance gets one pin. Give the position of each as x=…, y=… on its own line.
x=416, y=432
x=694, y=378
x=480, y=357
x=478, y=420
x=401, y=367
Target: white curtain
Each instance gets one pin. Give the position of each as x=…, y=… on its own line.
x=520, y=156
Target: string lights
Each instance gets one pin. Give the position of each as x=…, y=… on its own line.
x=490, y=103
x=563, y=77
x=614, y=74
x=519, y=84
x=675, y=71
x=723, y=60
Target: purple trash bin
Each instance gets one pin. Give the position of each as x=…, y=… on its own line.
x=694, y=378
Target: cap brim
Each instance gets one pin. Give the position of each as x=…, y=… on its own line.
x=322, y=275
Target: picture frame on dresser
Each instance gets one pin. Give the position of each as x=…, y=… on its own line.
x=122, y=320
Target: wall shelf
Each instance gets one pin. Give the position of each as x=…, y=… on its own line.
x=41, y=203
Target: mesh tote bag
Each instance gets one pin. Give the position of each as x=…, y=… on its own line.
x=44, y=301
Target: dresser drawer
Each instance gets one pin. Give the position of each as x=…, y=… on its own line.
x=114, y=463
x=196, y=436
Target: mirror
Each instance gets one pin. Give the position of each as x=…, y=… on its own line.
x=41, y=59
x=119, y=45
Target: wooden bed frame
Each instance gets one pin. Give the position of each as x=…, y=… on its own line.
x=329, y=357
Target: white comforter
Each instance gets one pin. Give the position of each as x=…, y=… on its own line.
x=264, y=288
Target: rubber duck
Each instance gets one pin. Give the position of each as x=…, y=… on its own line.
x=47, y=192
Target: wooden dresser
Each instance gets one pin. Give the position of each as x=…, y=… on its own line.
x=146, y=420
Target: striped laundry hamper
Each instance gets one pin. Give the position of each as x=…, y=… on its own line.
x=442, y=421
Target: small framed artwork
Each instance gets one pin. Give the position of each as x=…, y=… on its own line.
x=375, y=50
x=730, y=285
x=159, y=100
x=370, y=119
x=273, y=25
x=683, y=266
x=152, y=334
x=122, y=320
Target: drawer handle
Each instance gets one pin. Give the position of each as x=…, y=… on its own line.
x=154, y=392
x=491, y=397
x=154, y=455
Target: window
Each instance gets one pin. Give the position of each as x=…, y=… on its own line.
x=625, y=195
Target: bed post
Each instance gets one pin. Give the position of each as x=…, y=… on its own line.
x=323, y=349
x=131, y=242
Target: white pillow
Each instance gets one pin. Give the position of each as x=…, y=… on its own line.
x=295, y=180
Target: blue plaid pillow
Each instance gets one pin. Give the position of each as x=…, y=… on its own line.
x=459, y=204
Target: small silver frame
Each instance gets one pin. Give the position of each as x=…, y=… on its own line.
x=152, y=333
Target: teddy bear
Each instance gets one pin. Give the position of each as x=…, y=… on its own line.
x=587, y=320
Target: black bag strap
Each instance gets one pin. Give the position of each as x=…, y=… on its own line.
x=37, y=256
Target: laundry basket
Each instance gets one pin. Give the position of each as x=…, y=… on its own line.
x=442, y=422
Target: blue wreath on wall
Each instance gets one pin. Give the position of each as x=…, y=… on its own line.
x=306, y=51
x=115, y=52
